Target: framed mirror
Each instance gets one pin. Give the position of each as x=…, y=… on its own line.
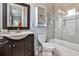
x=41, y=16
x=17, y=15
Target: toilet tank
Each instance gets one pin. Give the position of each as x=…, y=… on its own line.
x=42, y=38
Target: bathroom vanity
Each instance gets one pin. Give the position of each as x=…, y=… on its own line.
x=17, y=44
x=16, y=16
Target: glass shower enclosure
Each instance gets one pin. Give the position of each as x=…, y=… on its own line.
x=67, y=25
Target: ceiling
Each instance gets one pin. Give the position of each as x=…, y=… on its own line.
x=54, y=7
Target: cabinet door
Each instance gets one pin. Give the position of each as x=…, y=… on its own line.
x=18, y=47
x=29, y=45
x=5, y=49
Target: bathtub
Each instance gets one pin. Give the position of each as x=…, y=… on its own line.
x=55, y=47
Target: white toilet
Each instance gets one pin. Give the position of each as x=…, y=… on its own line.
x=45, y=46
x=42, y=39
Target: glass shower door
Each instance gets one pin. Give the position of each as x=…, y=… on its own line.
x=58, y=23
x=71, y=26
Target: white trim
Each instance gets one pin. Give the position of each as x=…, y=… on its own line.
x=1, y=21
x=36, y=8
x=1, y=18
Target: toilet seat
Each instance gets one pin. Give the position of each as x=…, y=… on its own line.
x=48, y=46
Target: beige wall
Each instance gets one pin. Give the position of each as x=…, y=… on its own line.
x=48, y=31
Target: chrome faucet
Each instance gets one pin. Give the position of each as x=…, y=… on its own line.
x=17, y=30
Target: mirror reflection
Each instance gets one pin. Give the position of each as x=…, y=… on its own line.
x=17, y=15
x=41, y=16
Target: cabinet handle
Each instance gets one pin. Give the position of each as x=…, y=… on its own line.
x=9, y=46
x=13, y=45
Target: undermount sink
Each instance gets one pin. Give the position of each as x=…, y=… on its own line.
x=17, y=36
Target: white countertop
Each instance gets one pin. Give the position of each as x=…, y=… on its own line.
x=15, y=35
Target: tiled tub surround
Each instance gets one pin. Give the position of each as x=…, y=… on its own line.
x=58, y=47
x=67, y=30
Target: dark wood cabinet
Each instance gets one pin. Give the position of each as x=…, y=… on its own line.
x=5, y=48
x=22, y=47
x=18, y=48
x=29, y=45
